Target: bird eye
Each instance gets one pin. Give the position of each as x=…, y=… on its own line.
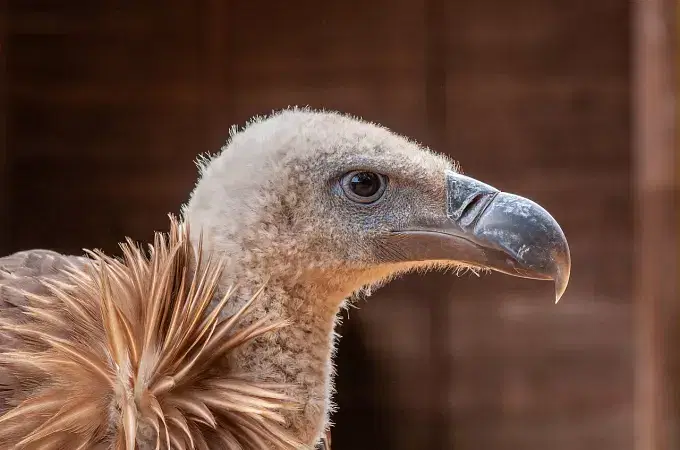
x=363, y=187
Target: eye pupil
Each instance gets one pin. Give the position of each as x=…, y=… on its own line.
x=365, y=184
x=363, y=187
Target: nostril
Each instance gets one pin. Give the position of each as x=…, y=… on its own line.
x=469, y=207
x=466, y=197
x=474, y=208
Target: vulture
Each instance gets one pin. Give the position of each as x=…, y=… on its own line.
x=219, y=334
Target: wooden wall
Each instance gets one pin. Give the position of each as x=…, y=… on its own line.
x=657, y=182
x=109, y=103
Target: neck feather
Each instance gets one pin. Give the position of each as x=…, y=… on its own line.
x=299, y=355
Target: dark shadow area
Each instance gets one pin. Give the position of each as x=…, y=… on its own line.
x=361, y=420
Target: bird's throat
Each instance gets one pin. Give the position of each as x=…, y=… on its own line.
x=300, y=354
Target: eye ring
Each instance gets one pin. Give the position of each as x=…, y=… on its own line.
x=363, y=186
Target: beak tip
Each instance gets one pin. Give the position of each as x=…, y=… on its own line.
x=561, y=277
x=559, y=291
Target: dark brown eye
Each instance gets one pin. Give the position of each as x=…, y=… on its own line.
x=363, y=187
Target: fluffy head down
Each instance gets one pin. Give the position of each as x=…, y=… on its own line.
x=126, y=354
x=272, y=196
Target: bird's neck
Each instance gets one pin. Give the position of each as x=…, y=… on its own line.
x=299, y=354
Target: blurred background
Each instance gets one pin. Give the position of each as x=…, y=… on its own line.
x=106, y=104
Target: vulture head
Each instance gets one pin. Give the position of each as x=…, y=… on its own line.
x=329, y=202
x=319, y=205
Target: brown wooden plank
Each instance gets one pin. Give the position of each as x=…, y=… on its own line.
x=437, y=60
x=657, y=309
x=4, y=186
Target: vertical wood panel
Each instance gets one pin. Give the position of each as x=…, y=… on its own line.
x=4, y=185
x=440, y=312
x=656, y=291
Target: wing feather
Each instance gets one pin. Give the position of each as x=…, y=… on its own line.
x=24, y=272
x=21, y=276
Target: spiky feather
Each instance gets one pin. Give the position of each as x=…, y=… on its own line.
x=126, y=354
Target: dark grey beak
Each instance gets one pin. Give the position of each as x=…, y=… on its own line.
x=488, y=228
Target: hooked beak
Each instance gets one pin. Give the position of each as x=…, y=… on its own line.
x=487, y=228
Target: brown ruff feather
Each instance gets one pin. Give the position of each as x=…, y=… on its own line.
x=126, y=354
